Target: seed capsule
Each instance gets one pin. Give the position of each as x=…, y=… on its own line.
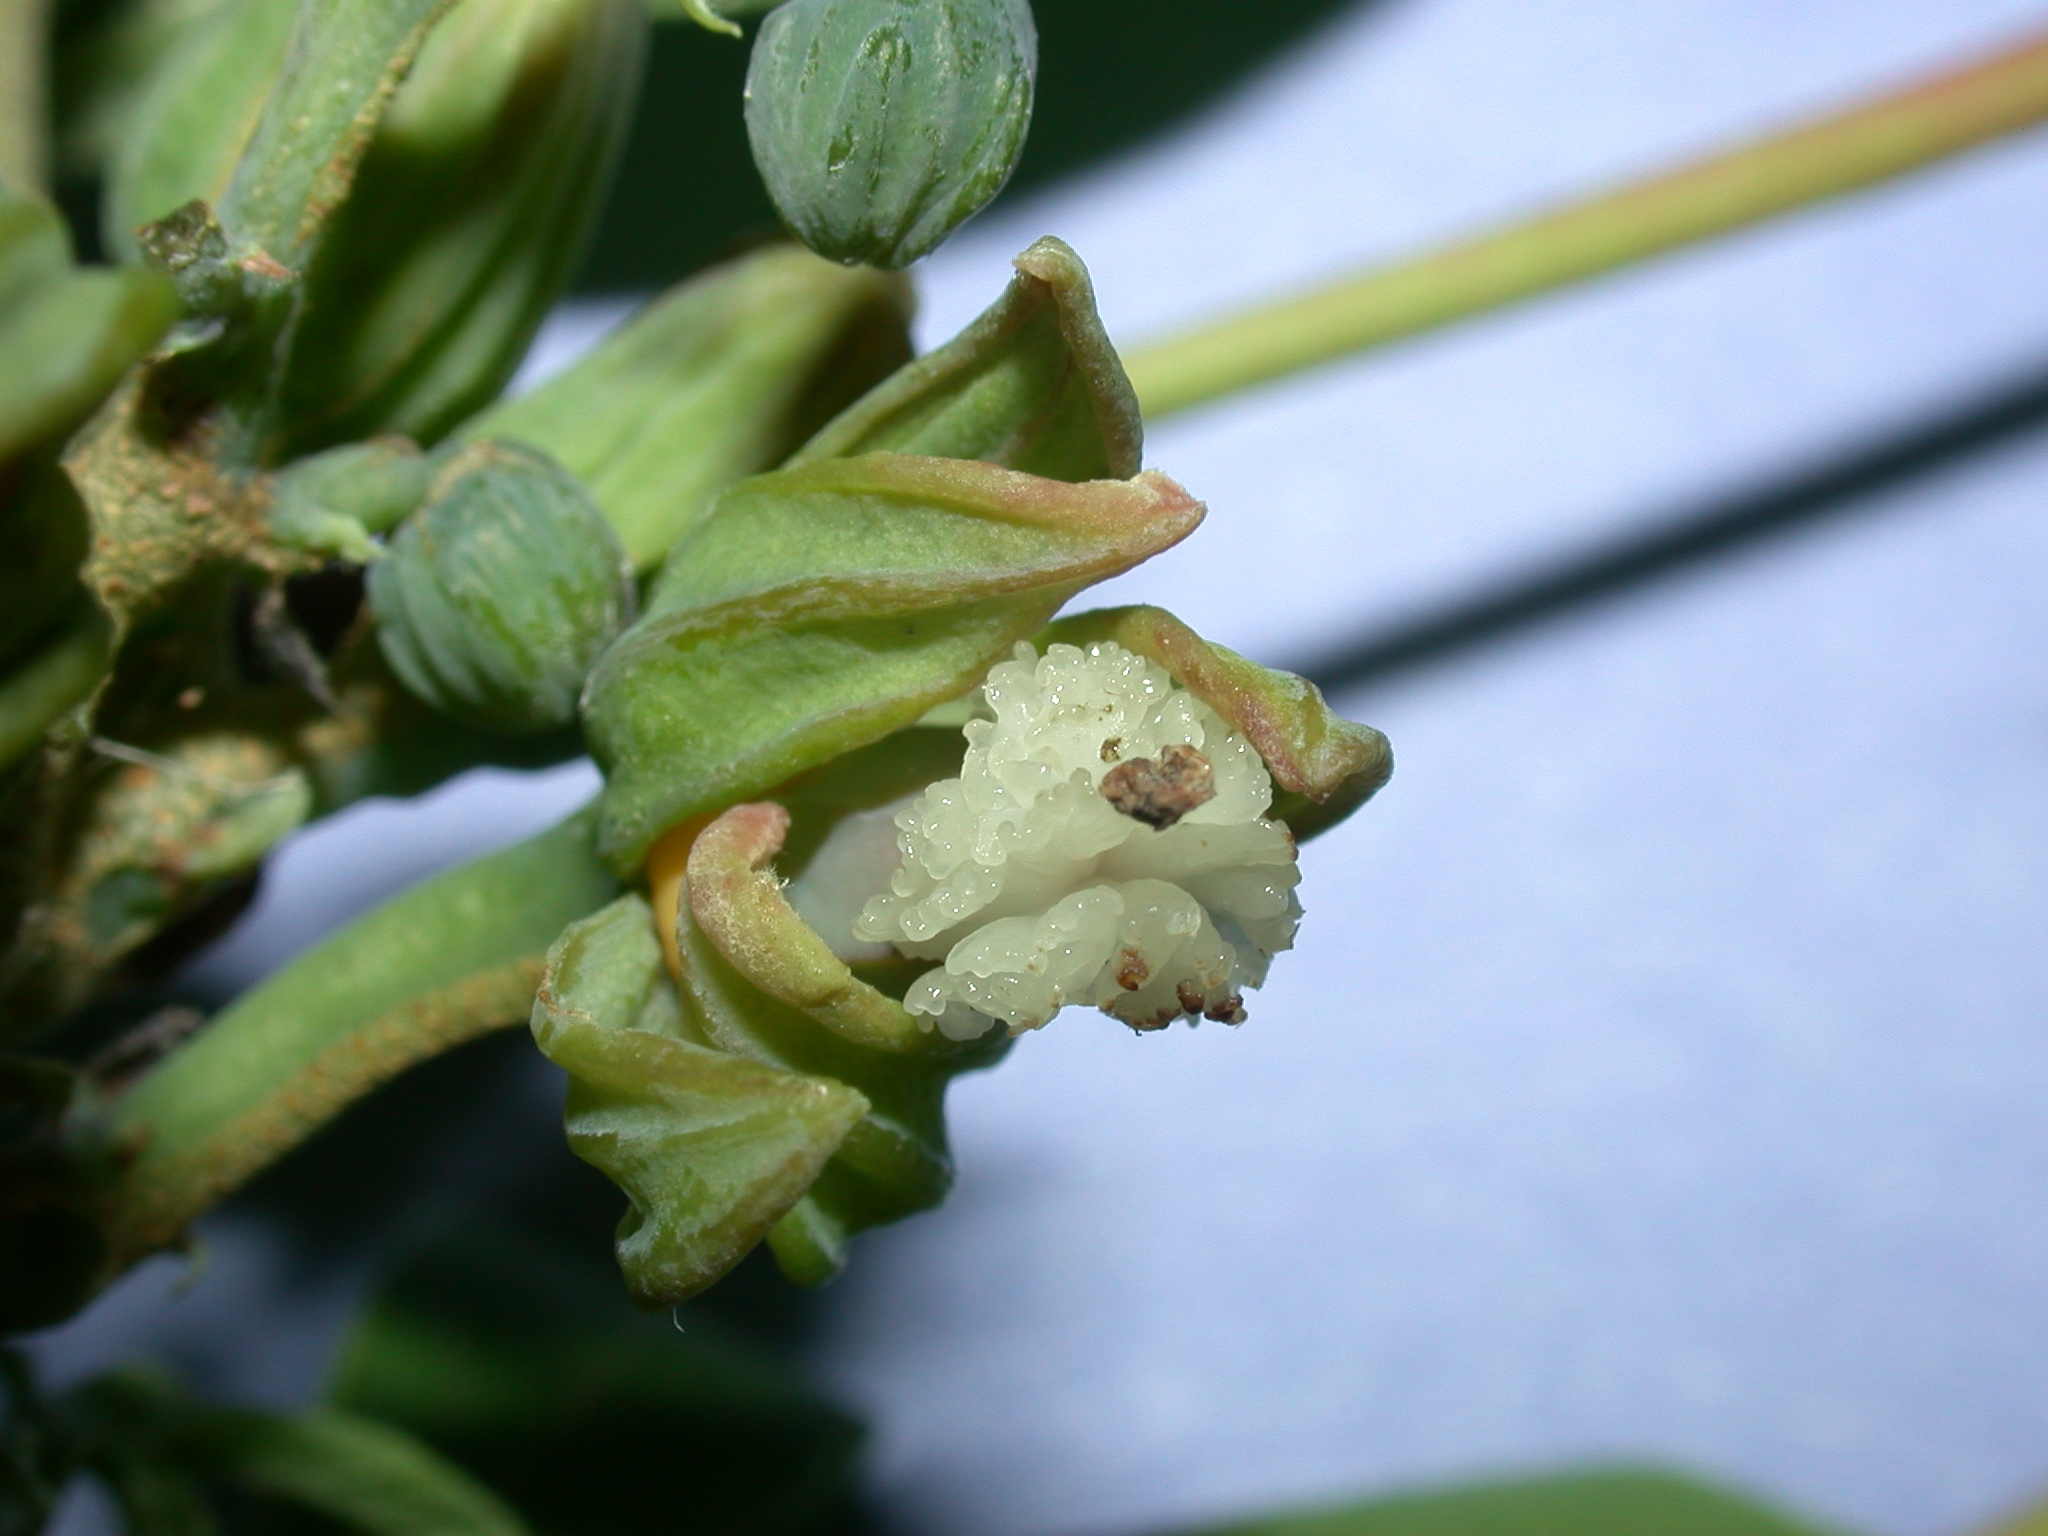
x=496, y=597
x=880, y=126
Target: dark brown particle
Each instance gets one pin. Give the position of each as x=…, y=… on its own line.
x=1160, y=793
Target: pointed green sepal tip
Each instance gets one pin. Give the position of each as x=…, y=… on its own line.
x=1032, y=384
x=711, y=1150
x=820, y=608
x=1323, y=766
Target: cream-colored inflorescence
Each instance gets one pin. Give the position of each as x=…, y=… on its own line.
x=1106, y=843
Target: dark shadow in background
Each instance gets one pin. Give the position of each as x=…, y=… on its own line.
x=1109, y=77
x=1852, y=482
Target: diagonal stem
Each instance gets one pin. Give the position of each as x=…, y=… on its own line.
x=24, y=93
x=1823, y=159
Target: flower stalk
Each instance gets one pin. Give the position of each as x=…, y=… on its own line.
x=1827, y=158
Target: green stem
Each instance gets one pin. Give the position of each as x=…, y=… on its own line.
x=1824, y=159
x=24, y=93
x=441, y=963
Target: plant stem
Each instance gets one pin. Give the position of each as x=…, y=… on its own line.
x=1823, y=159
x=439, y=964
x=24, y=93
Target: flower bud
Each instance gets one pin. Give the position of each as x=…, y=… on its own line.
x=880, y=126
x=466, y=217
x=495, y=598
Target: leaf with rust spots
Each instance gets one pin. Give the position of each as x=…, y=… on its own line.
x=159, y=507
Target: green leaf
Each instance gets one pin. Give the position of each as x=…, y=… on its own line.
x=1033, y=384
x=1324, y=767
x=1602, y=1503
x=447, y=960
x=523, y=1362
x=716, y=380
x=154, y=1445
x=368, y=1476
x=710, y=1149
x=55, y=680
x=67, y=335
x=342, y=64
x=822, y=607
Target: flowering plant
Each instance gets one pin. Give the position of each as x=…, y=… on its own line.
x=876, y=801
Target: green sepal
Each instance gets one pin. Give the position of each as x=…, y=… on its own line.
x=711, y=1149
x=67, y=334
x=192, y=117
x=330, y=503
x=757, y=982
x=341, y=64
x=1324, y=767
x=472, y=204
x=820, y=608
x=497, y=596
x=716, y=380
x=1032, y=384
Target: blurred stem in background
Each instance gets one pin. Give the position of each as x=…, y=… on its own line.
x=1835, y=155
x=24, y=46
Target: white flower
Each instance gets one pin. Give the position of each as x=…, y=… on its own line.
x=1106, y=842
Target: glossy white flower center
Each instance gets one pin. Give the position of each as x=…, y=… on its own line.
x=1106, y=842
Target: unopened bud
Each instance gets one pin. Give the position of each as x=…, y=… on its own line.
x=880, y=126
x=497, y=596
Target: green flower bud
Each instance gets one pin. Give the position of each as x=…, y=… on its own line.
x=880, y=126
x=496, y=597
x=467, y=216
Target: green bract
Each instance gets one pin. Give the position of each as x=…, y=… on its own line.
x=880, y=126
x=471, y=207
x=497, y=596
x=714, y=381
x=820, y=608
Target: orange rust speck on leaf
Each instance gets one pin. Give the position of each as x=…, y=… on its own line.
x=1159, y=794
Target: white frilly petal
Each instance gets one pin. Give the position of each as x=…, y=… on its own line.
x=1035, y=891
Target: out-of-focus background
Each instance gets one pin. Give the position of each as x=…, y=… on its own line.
x=1661, y=1072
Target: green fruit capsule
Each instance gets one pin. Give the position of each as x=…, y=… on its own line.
x=880, y=126
x=496, y=597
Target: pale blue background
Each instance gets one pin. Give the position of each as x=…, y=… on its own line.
x=1661, y=1073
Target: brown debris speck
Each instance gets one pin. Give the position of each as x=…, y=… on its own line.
x=1229, y=1011
x=1112, y=749
x=1159, y=794
x=1131, y=970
